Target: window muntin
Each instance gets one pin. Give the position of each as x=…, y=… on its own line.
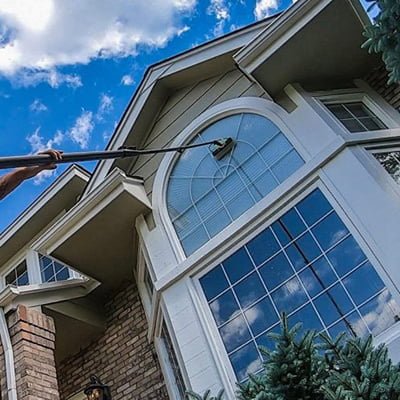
x=52, y=270
x=205, y=195
x=306, y=264
x=356, y=116
x=390, y=160
x=18, y=276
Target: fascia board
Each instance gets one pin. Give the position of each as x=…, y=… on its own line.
x=44, y=198
x=46, y=293
x=89, y=206
x=163, y=70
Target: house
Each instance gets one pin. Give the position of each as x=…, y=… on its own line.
x=165, y=272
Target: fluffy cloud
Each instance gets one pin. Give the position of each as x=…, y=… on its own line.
x=83, y=127
x=37, y=37
x=38, y=143
x=37, y=106
x=105, y=106
x=264, y=8
x=127, y=80
x=220, y=10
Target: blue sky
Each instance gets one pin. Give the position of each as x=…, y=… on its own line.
x=69, y=68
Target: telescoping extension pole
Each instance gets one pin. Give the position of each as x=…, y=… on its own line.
x=218, y=148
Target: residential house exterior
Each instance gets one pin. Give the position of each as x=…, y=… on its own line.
x=165, y=272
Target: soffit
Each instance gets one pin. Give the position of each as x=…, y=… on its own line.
x=97, y=237
x=60, y=196
x=318, y=42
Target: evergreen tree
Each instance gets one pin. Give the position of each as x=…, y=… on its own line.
x=206, y=396
x=293, y=371
x=358, y=371
x=349, y=369
x=384, y=36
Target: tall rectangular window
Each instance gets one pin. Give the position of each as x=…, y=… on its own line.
x=356, y=116
x=173, y=362
x=18, y=276
x=306, y=264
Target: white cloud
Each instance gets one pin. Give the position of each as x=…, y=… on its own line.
x=38, y=37
x=264, y=8
x=26, y=77
x=220, y=10
x=127, y=80
x=38, y=144
x=37, y=106
x=83, y=127
x=106, y=105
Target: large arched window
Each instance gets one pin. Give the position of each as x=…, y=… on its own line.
x=205, y=195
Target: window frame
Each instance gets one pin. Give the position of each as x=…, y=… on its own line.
x=205, y=313
x=370, y=100
x=254, y=105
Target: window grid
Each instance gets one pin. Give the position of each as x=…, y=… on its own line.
x=18, y=276
x=356, y=123
x=245, y=185
x=249, y=192
x=349, y=314
x=52, y=270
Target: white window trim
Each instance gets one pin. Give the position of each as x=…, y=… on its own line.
x=379, y=108
x=204, y=313
x=168, y=373
x=253, y=105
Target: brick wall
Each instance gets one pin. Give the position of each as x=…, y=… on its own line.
x=391, y=93
x=122, y=357
x=32, y=337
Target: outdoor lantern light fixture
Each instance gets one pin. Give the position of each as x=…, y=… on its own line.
x=96, y=390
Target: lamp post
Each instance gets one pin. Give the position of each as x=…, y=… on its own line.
x=96, y=390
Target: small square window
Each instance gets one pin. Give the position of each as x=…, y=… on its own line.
x=390, y=160
x=356, y=116
x=18, y=276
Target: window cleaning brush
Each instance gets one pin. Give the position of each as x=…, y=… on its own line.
x=219, y=148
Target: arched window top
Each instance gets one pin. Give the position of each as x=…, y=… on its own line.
x=204, y=195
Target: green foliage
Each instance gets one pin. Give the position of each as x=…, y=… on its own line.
x=293, y=371
x=336, y=369
x=383, y=36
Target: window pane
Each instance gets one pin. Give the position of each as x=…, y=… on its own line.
x=308, y=318
x=238, y=265
x=263, y=247
x=246, y=361
x=345, y=256
x=292, y=223
x=235, y=333
x=313, y=207
x=329, y=231
x=249, y=290
x=276, y=271
x=391, y=162
x=201, y=185
x=290, y=296
x=308, y=247
x=261, y=316
x=214, y=283
x=224, y=307
x=381, y=312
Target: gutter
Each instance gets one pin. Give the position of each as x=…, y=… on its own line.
x=8, y=357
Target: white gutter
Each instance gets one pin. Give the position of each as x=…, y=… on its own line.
x=8, y=357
